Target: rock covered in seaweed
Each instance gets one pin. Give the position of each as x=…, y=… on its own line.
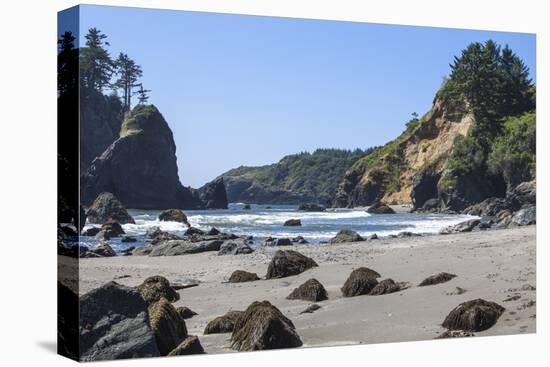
x=288, y=263
x=167, y=325
x=223, y=324
x=437, y=279
x=190, y=345
x=241, y=276
x=474, y=315
x=263, y=326
x=360, y=281
x=154, y=288
x=384, y=287
x=312, y=290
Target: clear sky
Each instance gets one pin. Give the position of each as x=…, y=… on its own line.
x=247, y=90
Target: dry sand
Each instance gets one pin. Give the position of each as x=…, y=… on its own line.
x=493, y=265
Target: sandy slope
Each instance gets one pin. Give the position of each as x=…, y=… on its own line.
x=489, y=265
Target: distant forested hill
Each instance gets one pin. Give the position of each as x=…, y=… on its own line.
x=298, y=178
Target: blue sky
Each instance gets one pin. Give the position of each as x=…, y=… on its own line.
x=247, y=90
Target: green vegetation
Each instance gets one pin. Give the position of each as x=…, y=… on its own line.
x=493, y=84
x=313, y=175
x=514, y=152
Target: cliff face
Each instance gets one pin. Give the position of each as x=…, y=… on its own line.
x=140, y=167
x=391, y=173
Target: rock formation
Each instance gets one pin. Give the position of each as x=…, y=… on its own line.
x=346, y=235
x=288, y=263
x=263, y=326
x=223, y=324
x=380, y=208
x=360, y=281
x=185, y=312
x=167, y=325
x=115, y=325
x=154, y=288
x=312, y=290
x=174, y=215
x=190, y=345
x=140, y=166
x=475, y=315
x=106, y=207
x=213, y=194
x=240, y=276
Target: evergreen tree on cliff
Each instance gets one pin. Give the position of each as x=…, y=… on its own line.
x=128, y=74
x=96, y=66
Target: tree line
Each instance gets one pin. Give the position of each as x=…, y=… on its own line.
x=92, y=68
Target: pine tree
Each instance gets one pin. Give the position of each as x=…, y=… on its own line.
x=67, y=64
x=143, y=96
x=129, y=73
x=96, y=66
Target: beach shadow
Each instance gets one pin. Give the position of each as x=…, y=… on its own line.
x=48, y=345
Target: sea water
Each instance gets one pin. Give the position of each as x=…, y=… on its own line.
x=261, y=221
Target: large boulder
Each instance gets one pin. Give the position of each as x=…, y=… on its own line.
x=437, y=279
x=474, y=315
x=167, y=325
x=241, y=276
x=360, y=281
x=380, y=208
x=109, y=230
x=346, y=235
x=287, y=263
x=234, y=248
x=526, y=216
x=213, y=194
x=115, y=325
x=154, y=288
x=103, y=249
x=190, y=345
x=140, y=166
x=223, y=324
x=174, y=215
x=105, y=208
x=312, y=290
x=184, y=247
x=263, y=326
x=276, y=242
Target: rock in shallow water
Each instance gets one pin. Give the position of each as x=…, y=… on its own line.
x=174, y=215
x=287, y=263
x=115, y=325
x=263, y=326
x=380, y=208
x=292, y=223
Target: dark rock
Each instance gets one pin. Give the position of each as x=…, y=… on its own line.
x=466, y=226
x=346, y=235
x=192, y=230
x=91, y=232
x=67, y=321
x=263, y=326
x=155, y=288
x=104, y=250
x=456, y=291
x=174, y=215
x=105, y=208
x=405, y=234
x=469, y=189
x=380, y=208
x=115, y=325
x=437, y=279
x=246, y=207
x=190, y=345
x=431, y=206
x=142, y=251
x=311, y=290
x=184, y=247
x=524, y=217
x=311, y=309
x=128, y=239
x=384, y=287
x=213, y=232
x=475, y=315
x=185, y=312
x=299, y=240
x=156, y=235
x=361, y=281
x=109, y=230
x=234, y=248
x=487, y=208
x=223, y=324
x=373, y=236
x=293, y=223
x=167, y=325
x=240, y=276
x=213, y=194
x=142, y=178
x=288, y=263
x=425, y=189
x=277, y=242
x=312, y=208
x=523, y=195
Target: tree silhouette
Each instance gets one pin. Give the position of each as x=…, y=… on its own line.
x=96, y=66
x=143, y=96
x=129, y=73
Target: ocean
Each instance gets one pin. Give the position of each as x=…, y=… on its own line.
x=262, y=221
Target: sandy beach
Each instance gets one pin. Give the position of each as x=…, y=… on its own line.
x=494, y=265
